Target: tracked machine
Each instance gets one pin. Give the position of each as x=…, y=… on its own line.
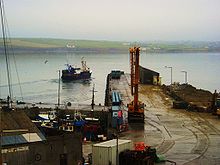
x=135, y=107
x=216, y=104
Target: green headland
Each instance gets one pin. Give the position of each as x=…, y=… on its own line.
x=101, y=46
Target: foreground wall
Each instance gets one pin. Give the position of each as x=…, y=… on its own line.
x=56, y=150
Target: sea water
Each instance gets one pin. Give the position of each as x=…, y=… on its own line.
x=37, y=79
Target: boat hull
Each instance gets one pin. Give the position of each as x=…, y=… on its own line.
x=66, y=76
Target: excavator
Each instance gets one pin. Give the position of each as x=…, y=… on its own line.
x=135, y=107
x=218, y=107
x=216, y=104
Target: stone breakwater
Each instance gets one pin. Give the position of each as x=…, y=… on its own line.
x=188, y=97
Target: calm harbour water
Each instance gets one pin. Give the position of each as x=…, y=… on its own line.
x=39, y=79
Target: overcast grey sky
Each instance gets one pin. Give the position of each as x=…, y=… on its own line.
x=133, y=20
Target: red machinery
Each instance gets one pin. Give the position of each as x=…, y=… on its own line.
x=135, y=108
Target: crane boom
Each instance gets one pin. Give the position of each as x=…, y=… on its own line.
x=135, y=108
x=132, y=69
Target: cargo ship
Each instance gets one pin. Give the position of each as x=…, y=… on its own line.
x=73, y=73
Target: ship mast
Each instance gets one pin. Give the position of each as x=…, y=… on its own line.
x=6, y=53
x=84, y=67
x=0, y=107
x=5, y=50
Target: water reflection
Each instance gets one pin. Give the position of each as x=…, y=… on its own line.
x=79, y=91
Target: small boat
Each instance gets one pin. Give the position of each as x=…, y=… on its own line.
x=74, y=73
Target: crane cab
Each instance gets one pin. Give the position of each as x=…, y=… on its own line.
x=136, y=115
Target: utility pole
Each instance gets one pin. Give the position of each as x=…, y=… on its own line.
x=171, y=74
x=185, y=73
x=117, y=152
x=1, y=161
x=117, y=156
x=93, y=100
x=93, y=97
x=58, y=101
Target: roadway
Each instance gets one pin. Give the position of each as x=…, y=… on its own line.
x=181, y=136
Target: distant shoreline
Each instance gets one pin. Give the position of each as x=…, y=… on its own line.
x=100, y=51
x=35, y=45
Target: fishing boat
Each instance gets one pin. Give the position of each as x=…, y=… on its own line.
x=73, y=73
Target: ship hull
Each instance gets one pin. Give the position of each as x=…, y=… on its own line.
x=66, y=76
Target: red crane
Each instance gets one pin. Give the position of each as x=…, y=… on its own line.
x=135, y=108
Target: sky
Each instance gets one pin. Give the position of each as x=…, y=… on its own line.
x=121, y=20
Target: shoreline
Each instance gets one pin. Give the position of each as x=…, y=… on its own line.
x=19, y=50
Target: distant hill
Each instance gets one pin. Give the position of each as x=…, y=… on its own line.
x=48, y=44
